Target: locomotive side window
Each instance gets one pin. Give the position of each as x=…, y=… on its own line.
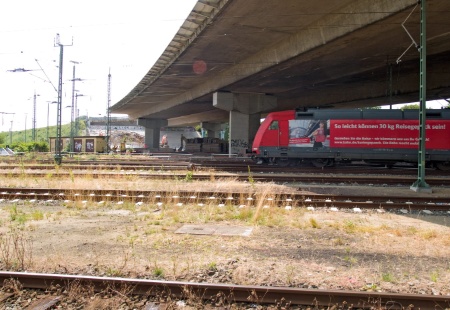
x=273, y=125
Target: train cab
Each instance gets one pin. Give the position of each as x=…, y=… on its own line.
x=273, y=132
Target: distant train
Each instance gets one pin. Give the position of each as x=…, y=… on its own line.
x=324, y=137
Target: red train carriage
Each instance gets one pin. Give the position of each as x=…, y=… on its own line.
x=324, y=137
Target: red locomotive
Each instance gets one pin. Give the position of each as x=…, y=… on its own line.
x=324, y=137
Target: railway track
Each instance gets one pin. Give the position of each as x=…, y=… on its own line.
x=226, y=294
x=348, y=179
x=178, y=166
x=17, y=195
x=223, y=294
x=225, y=166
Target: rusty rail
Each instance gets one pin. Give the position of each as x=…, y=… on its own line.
x=238, y=293
x=247, y=198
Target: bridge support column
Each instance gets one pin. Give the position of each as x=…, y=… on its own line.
x=243, y=128
x=245, y=113
x=213, y=129
x=152, y=131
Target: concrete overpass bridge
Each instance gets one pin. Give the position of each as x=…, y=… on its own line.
x=234, y=60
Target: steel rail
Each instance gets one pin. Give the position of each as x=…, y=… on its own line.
x=278, y=178
x=247, y=198
x=12, y=192
x=211, y=160
x=236, y=293
x=218, y=166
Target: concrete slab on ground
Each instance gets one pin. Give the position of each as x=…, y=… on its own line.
x=222, y=230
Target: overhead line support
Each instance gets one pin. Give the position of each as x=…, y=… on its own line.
x=58, y=140
x=420, y=185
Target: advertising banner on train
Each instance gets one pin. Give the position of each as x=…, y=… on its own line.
x=388, y=134
x=305, y=132
x=370, y=134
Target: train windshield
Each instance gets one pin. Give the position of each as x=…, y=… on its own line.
x=273, y=125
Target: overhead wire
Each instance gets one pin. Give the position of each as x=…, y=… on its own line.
x=48, y=79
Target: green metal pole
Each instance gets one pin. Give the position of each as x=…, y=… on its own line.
x=108, y=114
x=420, y=185
x=58, y=156
x=72, y=114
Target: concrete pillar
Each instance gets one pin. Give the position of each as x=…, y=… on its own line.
x=243, y=128
x=245, y=113
x=213, y=129
x=152, y=131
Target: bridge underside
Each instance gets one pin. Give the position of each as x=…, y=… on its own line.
x=323, y=53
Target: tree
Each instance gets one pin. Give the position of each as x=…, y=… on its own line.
x=414, y=106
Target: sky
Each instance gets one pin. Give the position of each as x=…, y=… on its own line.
x=124, y=38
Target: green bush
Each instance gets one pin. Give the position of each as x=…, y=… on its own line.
x=26, y=147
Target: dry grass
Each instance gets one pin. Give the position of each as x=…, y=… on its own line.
x=15, y=249
x=287, y=247
x=12, y=286
x=133, y=182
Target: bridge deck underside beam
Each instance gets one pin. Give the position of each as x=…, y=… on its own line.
x=322, y=53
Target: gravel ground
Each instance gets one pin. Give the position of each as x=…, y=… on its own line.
x=299, y=248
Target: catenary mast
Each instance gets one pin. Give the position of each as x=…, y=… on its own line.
x=108, y=113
